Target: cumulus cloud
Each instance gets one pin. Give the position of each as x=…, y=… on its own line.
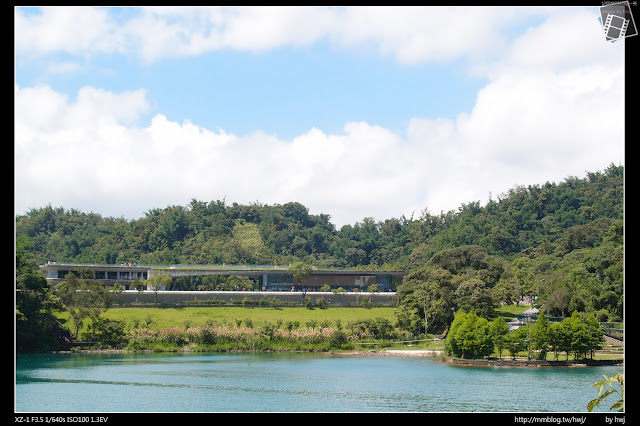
x=46, y=30
x=409, y=34
x=543, y=115
x=81, y=149
x=552, y=108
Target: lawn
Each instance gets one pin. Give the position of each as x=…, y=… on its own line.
x=197, y=316
x=509, y=312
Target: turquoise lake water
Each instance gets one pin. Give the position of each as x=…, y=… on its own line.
x=292, y=382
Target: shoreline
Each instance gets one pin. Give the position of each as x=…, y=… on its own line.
x=393, y=352
x=487, y=362
x=534, y=363
x=436, y=353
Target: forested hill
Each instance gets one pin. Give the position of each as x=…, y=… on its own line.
x=559, y=218
x=561, y=243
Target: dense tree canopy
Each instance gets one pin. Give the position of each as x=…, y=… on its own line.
x=559, y=242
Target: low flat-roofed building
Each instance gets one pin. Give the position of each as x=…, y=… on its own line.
x=125, y=274
x=272, y=278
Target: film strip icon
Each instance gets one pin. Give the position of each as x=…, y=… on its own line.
x=615, y=26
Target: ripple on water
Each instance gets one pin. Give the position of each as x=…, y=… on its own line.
x=293, y=383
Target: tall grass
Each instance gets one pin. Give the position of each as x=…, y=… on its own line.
x=233, y=338
x=241, y=329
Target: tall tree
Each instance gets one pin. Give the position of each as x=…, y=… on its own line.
x=430, y=291
x=300, y=272
x=596, y=335
x=540, y=336
x=158, y=282
x=499, y=329
x=83, y=298
x=579, y=335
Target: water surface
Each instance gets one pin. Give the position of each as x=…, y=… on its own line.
x=292, y=382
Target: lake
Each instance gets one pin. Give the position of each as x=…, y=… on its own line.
x=292, y=382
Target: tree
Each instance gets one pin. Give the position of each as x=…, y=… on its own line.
x=579, y=336
x=564, y=337
x=610, y=382
x=474, y=294
x=157, y=283
x=355, y=256
x=499, y=329
x=83, y=298
x=557, y=303
x=470, y=338
x=571, y=233
x=478, y=344
x=300, y=272
x=540, y=336
x=406, y=317
x=523, y=276
x=237, y=283
x=596, y=335
x=516, y=341
x=36, y=326
x=421, y=297
x=504, y=292
x=109, y=333
x=557, y=338
x=429, y=290
x=452, y=343
x=137, y=285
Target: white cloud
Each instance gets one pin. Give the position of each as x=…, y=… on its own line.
x=82, y=149
x=553, y=107
x=410, y=34
x=544, y=115
x=74, y=30
x=568, y=38
x=415, y=34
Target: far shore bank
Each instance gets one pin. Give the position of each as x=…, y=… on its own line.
x=393, y=352
x=534, y=363
x=486, y=362
x=505, y=362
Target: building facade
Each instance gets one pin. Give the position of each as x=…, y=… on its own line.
x=266, y=278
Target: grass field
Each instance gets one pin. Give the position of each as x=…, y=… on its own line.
x=162, y=318
x=198, y=316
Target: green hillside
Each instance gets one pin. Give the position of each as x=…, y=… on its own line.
x=560, y=244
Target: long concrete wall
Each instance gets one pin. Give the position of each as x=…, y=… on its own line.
x=148, y=296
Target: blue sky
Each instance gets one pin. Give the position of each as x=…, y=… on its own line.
x=354, y=112
x=283, y=92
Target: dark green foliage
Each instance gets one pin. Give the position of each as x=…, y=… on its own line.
x=559, y=241
x=109, y=333
x=470, y=336
x=36, y=327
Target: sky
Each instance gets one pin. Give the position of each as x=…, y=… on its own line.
x=355, y=112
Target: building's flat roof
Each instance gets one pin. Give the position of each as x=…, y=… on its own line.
x=220, y=268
